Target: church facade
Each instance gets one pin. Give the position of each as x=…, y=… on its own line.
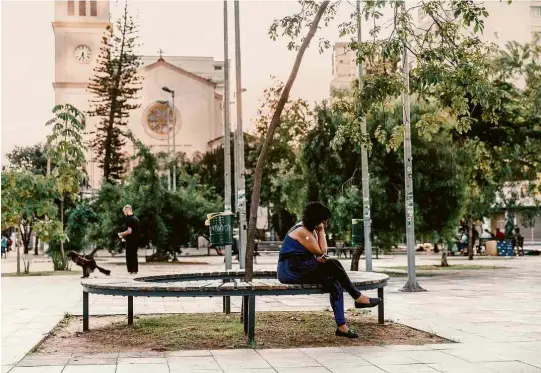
x=197, y=82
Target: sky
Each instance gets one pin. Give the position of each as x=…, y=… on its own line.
x=179, y=28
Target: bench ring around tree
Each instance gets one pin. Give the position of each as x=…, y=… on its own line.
x=218, y=284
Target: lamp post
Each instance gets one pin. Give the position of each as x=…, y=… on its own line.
x=173, y=121
x=165, y=102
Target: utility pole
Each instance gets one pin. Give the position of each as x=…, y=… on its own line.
x=364, y=164
x=411, y=284
x=227, y=151
x=240, y=182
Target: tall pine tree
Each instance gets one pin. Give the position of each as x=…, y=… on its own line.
x=115, y=87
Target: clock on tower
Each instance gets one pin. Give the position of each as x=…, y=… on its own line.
x=78, y=28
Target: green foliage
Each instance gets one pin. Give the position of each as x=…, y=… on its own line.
x=28, y=200
x=334, y=176
x=115, y=88
x=30, y=158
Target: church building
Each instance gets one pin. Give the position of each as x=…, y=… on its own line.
x=198, y=83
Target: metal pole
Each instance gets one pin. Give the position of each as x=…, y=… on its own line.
x=412, y=284
x=227, y=133
x=364, y=164
x=168, y=151
x=174, y=122
x=239, y=164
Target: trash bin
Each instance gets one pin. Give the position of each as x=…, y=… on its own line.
x=221, y=228
x=357, y=233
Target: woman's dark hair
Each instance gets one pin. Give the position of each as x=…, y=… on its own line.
x=314, y=214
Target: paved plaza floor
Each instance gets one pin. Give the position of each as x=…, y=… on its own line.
x=494, y=314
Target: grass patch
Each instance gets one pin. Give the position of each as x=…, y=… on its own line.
x=451, y=267
x=219, y=331
x=41, y=273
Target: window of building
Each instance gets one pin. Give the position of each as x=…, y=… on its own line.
x=217, y=67
x=71, y=8
x=82, y=8
x=535, y=11
x=94, y=8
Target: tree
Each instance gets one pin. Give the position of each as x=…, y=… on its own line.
x=66, y=150
x=115, y=87
x=31, y=158
x=29, y=199
x=335, y=176
x=317, y=11
x=283, y=184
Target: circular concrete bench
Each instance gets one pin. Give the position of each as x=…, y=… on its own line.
x=218, y=284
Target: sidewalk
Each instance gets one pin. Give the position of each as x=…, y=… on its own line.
x=494, y=314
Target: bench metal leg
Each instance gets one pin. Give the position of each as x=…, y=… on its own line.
x=251, y=319
x=130, y=310
x=227, y=305
x=381, y=307
x=245, y=307
x=85, y=311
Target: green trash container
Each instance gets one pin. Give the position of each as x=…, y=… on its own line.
x=221, y=228
x=357, y=232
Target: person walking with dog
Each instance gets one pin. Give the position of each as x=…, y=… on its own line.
x=131, y=235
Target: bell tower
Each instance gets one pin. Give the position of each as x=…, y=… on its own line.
x=78, y=27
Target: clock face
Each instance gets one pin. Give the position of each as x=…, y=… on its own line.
x=82, y=54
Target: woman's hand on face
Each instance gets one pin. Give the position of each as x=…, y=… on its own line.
x=320, y=227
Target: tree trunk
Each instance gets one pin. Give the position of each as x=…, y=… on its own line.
x=36, y=246
x=470, y=238
x=275, y=122
x=355, y=258
x=19, y=241
x=62, y=240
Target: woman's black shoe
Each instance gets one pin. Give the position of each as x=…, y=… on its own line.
x=373, y=303
x=349, y=334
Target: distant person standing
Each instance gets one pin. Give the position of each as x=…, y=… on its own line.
x=500, y=236
x=4, y=245
x=131, y=235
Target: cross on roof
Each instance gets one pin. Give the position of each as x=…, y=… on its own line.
x=161, y=53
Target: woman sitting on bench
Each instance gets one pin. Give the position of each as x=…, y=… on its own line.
x=303, y=260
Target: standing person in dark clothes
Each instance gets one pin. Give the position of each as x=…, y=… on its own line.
x=131, y=235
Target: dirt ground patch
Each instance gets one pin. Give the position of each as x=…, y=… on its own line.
x=205, y=331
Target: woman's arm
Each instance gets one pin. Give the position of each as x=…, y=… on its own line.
x=322, y=240
x=307, y=240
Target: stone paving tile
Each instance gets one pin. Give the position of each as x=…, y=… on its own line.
x=186, y=362
x=42, y=360
x=388, y=358
x=303, y=370
x=321, y=351
x=6, y=368
x=409, y=347
x=364, y=369
x=288, y=359
x=511, y=367
x=241, y=362
x=142, y=368
x=142, y=360
x=188, y=353
x=99, y=355
x=409, y=368
x=478, y=355
x=90, y=369
x=249, y=370
x=86, y=361
x=365, y=350
x=341, y=359
x=462, y=368
x=434, y=357
x=236, y=352
x=141, y=354
x=43, y=369
x=178, y=369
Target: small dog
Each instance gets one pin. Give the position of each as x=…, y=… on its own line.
x=87, y=262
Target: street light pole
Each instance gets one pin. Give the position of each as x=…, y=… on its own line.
x=173, y=123
x=365, y=177
x=240, y=182
x=411, y=284
x=165, y=102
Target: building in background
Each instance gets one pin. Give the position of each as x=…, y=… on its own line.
x=198, y=83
